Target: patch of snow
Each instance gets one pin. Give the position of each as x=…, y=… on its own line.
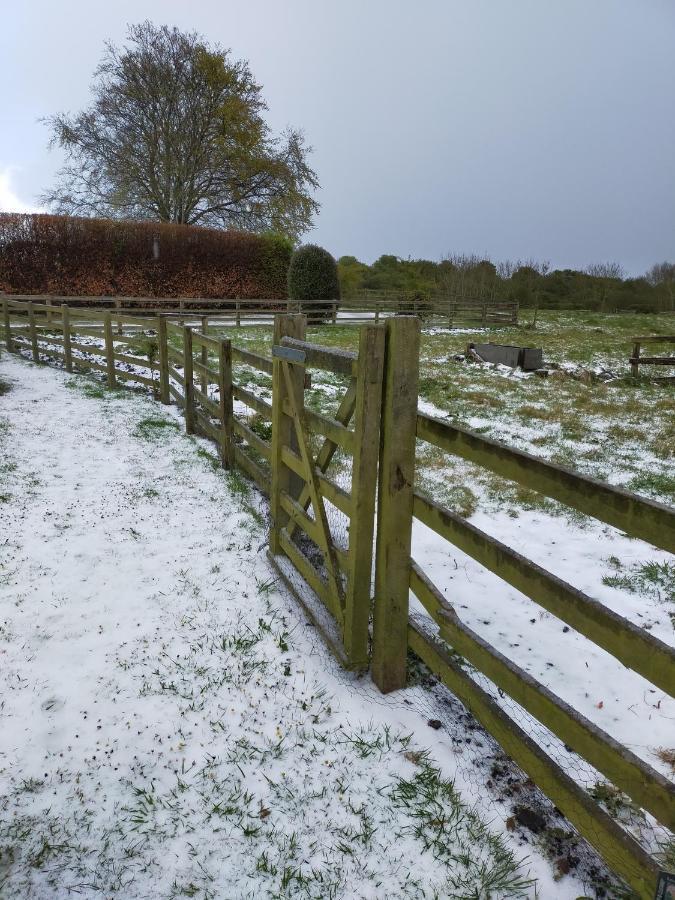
x=170, y=723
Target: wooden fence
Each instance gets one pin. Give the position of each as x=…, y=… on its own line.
x=438, y=309
x=636, y=360
x=332, y=577
x=351, y=310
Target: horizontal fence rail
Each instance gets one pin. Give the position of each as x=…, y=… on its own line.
x=637, y=516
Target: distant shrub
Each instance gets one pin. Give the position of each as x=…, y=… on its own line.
x=313, y=279
x=68, y=256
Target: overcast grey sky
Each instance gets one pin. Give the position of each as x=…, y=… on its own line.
x=527, y=128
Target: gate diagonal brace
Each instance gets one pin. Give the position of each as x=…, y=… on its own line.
x=313, y=486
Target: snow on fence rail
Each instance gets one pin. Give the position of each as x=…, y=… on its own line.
x=196, y=370
x=448, y=311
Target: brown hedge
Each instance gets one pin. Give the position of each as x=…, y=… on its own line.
x=67, y=256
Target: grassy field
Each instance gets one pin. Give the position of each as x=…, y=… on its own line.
x=589, y=414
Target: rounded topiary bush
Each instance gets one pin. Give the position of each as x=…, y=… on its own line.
x=313, y=281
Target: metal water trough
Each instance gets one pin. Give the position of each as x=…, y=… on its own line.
x=528, y=358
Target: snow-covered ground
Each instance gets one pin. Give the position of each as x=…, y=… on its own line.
x=170, y=724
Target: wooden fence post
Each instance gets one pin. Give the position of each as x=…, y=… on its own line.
x=204, y=358
x=395, y=502
x=188, y=376
x=635, y=365
x=33, y=332
x=8, y=326
x=163, y=359
x=109, y=349
x=225, y=402
x=237, y=307
x=367, y=413
x=118, y=309
x=283, y=433
x=377, y=309
x=48, y=303
x=65, y=323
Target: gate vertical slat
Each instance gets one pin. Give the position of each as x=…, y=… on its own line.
x=188, y=376
x=65, y=323
x=395, y=503
x=163, y=354
x=8, y=325
x=225, y=402
x=363, y=490
x=287, y=325
x=109, y=350
x=33, y=332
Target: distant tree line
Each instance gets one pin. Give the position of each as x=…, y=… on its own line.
x=600, y=286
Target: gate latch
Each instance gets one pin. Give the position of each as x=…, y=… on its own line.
x=289, y=354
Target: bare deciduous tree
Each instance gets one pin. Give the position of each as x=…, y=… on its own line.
x=176, y=133
x=605, y=270
x=663, y=274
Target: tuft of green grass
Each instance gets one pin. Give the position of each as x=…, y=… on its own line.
x=89, y=388
x=208, y=458
x=652, y=579
x=453, y=833
x=155, y=429
x=659, y=484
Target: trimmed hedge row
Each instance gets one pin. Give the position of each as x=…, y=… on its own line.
x=67, y=256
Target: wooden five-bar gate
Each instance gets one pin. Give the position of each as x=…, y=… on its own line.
x=338, y=576
x=357, y=468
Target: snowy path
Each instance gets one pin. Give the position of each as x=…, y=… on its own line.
x=169, y=725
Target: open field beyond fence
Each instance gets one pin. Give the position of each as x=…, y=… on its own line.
x=320, y=426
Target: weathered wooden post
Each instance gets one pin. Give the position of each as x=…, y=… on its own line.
x=237, y=307
x=65, y=330
x=283, y=434
x=48, y=304
x=635, y=360
x=33, y=332
x=367, y=413
x=188, y=378
x=8, y=325
x=225, y=403
x=395, y=502
x=109, y=349
x=163, y=359
x=204, y=358
x=118, y=310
